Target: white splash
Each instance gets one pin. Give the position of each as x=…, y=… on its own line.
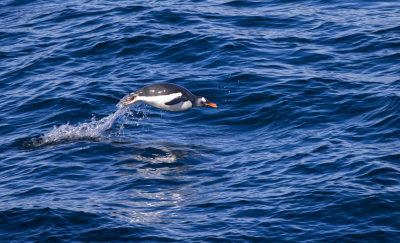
x=95, y=129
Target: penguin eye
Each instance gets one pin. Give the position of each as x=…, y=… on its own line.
x=203, y=99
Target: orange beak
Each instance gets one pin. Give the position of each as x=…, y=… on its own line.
x=211, y=104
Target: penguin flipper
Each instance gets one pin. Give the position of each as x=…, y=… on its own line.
x=176, y=100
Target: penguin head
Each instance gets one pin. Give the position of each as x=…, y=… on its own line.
x=201, y=101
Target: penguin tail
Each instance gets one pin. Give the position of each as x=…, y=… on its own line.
x=130, y=100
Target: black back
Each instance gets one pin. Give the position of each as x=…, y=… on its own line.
x=164, y=89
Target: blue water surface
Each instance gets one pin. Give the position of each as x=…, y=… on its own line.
x=303, y=147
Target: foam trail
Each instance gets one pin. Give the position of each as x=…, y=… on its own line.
x=87, y=130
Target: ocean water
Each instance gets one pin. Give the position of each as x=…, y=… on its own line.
x=303, y=147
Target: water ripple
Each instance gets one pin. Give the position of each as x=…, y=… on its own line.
x=303, y=145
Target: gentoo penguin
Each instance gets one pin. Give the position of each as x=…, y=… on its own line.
x=168, y=97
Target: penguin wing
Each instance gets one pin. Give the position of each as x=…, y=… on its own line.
x=177, y=100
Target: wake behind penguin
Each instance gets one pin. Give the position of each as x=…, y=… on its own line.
x=93, y=130
x=164, y=96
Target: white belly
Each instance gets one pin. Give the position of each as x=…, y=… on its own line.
x=159, y=102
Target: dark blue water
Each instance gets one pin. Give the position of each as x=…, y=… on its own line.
x=304, y=146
